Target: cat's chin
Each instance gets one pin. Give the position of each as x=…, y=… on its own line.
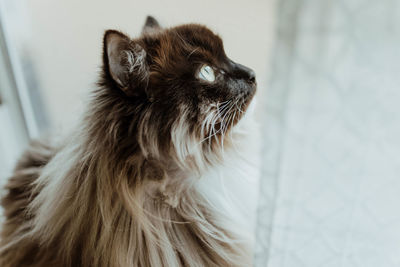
x=242, y=109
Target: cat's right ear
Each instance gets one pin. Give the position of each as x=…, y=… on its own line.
x=125, y=62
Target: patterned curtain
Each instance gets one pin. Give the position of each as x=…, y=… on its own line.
x=330, y=193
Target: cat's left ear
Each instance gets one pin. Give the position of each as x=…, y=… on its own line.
x=151, y=25
x=125, y=62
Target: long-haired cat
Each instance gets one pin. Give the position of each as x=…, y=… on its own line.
x=122, y=189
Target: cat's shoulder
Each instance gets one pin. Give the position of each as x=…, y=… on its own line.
x=38, y=154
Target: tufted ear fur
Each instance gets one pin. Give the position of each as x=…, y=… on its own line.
x=151, y=26
x=125, y=62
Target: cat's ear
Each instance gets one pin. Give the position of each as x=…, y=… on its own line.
x=125, y=62
x=151, y=25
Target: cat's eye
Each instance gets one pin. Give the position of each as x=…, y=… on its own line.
x=207, y=73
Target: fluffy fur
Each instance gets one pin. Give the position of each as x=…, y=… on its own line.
x=121, y=191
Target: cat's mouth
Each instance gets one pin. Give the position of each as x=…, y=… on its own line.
x=244, y=101
x=245, y=95
x=249, y=93
x=230, y=111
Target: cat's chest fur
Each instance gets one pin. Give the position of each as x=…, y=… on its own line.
x=233, y=186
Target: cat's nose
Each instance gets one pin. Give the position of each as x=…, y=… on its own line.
x=243, y=72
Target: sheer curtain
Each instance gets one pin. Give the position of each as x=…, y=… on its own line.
x=330, y=191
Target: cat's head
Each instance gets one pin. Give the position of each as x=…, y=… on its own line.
x=185, y=93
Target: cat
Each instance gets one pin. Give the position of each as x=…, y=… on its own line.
x=122, y=190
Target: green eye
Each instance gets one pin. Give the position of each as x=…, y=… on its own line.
x=207, y=73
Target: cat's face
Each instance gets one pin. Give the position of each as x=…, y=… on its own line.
x=195, y=92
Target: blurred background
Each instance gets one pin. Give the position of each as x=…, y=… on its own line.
x=328, y=107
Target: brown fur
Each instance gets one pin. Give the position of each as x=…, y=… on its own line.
x=121, y=190
x=15, y=203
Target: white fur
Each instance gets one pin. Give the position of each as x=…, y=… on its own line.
x=233, y=186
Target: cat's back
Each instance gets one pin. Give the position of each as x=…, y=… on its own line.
x=17, y=194
x=19, y=186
